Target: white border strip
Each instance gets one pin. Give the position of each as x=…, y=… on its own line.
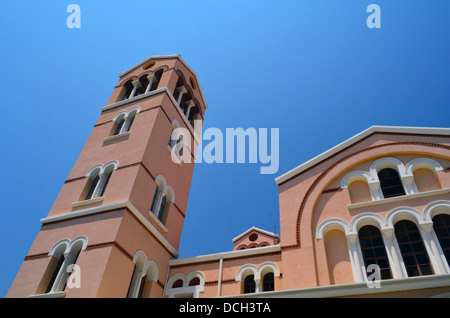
x=356, y=289
x=224, y=255
x=112, y=206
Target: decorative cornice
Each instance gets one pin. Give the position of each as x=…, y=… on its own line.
x=114, y=206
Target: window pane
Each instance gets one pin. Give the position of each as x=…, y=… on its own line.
x=92, y=188
x=413, y=251
x=373, y=249
x=390, y=182
x=441, y=224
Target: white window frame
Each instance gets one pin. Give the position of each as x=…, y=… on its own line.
x=71, y=250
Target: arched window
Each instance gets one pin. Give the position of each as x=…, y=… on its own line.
x=194, y=281
x=142, y=86
x=145, y=273
x=268, y=282
x=64, y=256
x=124, y=120
x=193, y=114
x=373, y=250
x=161, y=199
x=93, y=185
x=390, y=183
x=162, y=207
x=98, y=179
x=177, y=284
x=249, y=284
x=154, y=80
x=441, y=225
x=413, y=251
x=119, y=125
x=126, y=90
x=180, y=89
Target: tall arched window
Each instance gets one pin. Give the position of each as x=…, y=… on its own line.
x=124, y=120
x=249, y=284
x=373, y=250
x=119, y=125
x=161, y=199
x=268, y=282
x=98, y=179
x=390, y=183
x=413, y=251
x=441, y=225
x=126, y=90
x=145, y=273
x=154, y=80
x=64, y=255
x=92, y=186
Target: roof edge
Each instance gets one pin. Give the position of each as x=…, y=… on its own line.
x=254, y=228
x=373, y=129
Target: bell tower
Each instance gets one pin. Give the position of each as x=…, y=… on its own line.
x=118, y=218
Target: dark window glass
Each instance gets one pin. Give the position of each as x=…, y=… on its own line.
x=92, y=188
x=119, y=126
x=249, y=284
x=412, y=248
x=178, y=283
x=390, y=182
x=268, y=282
x=128, y=89
x=441, y=224
x=55, y=273
x=131, y=122
x=155, y=198
x=106, y=183
x=373, y=250
x=161, y=208
x=194, y=281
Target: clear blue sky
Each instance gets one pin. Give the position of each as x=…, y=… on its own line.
x=311, y=68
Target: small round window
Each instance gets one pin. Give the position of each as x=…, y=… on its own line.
x=148, y=65
x=192, y=80
x=253, y=237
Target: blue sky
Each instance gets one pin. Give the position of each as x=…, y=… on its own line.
x=311, y=68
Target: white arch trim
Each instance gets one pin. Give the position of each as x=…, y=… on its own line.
x=354, y=176
x=418, y=163
x=435, y=208
x=126, y=113
x=102, y=168
x=257, y=272
x=367, y=218
x=69, y=244
x=332, y=224
x=404, y=213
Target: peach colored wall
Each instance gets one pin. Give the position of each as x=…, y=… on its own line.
x=262, y=238
x=359, y=192
x=426, y=180
x=338, y=260
x=230, y=268
x=308, y=186
x=99, y=228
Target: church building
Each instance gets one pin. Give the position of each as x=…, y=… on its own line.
x=367, y=218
